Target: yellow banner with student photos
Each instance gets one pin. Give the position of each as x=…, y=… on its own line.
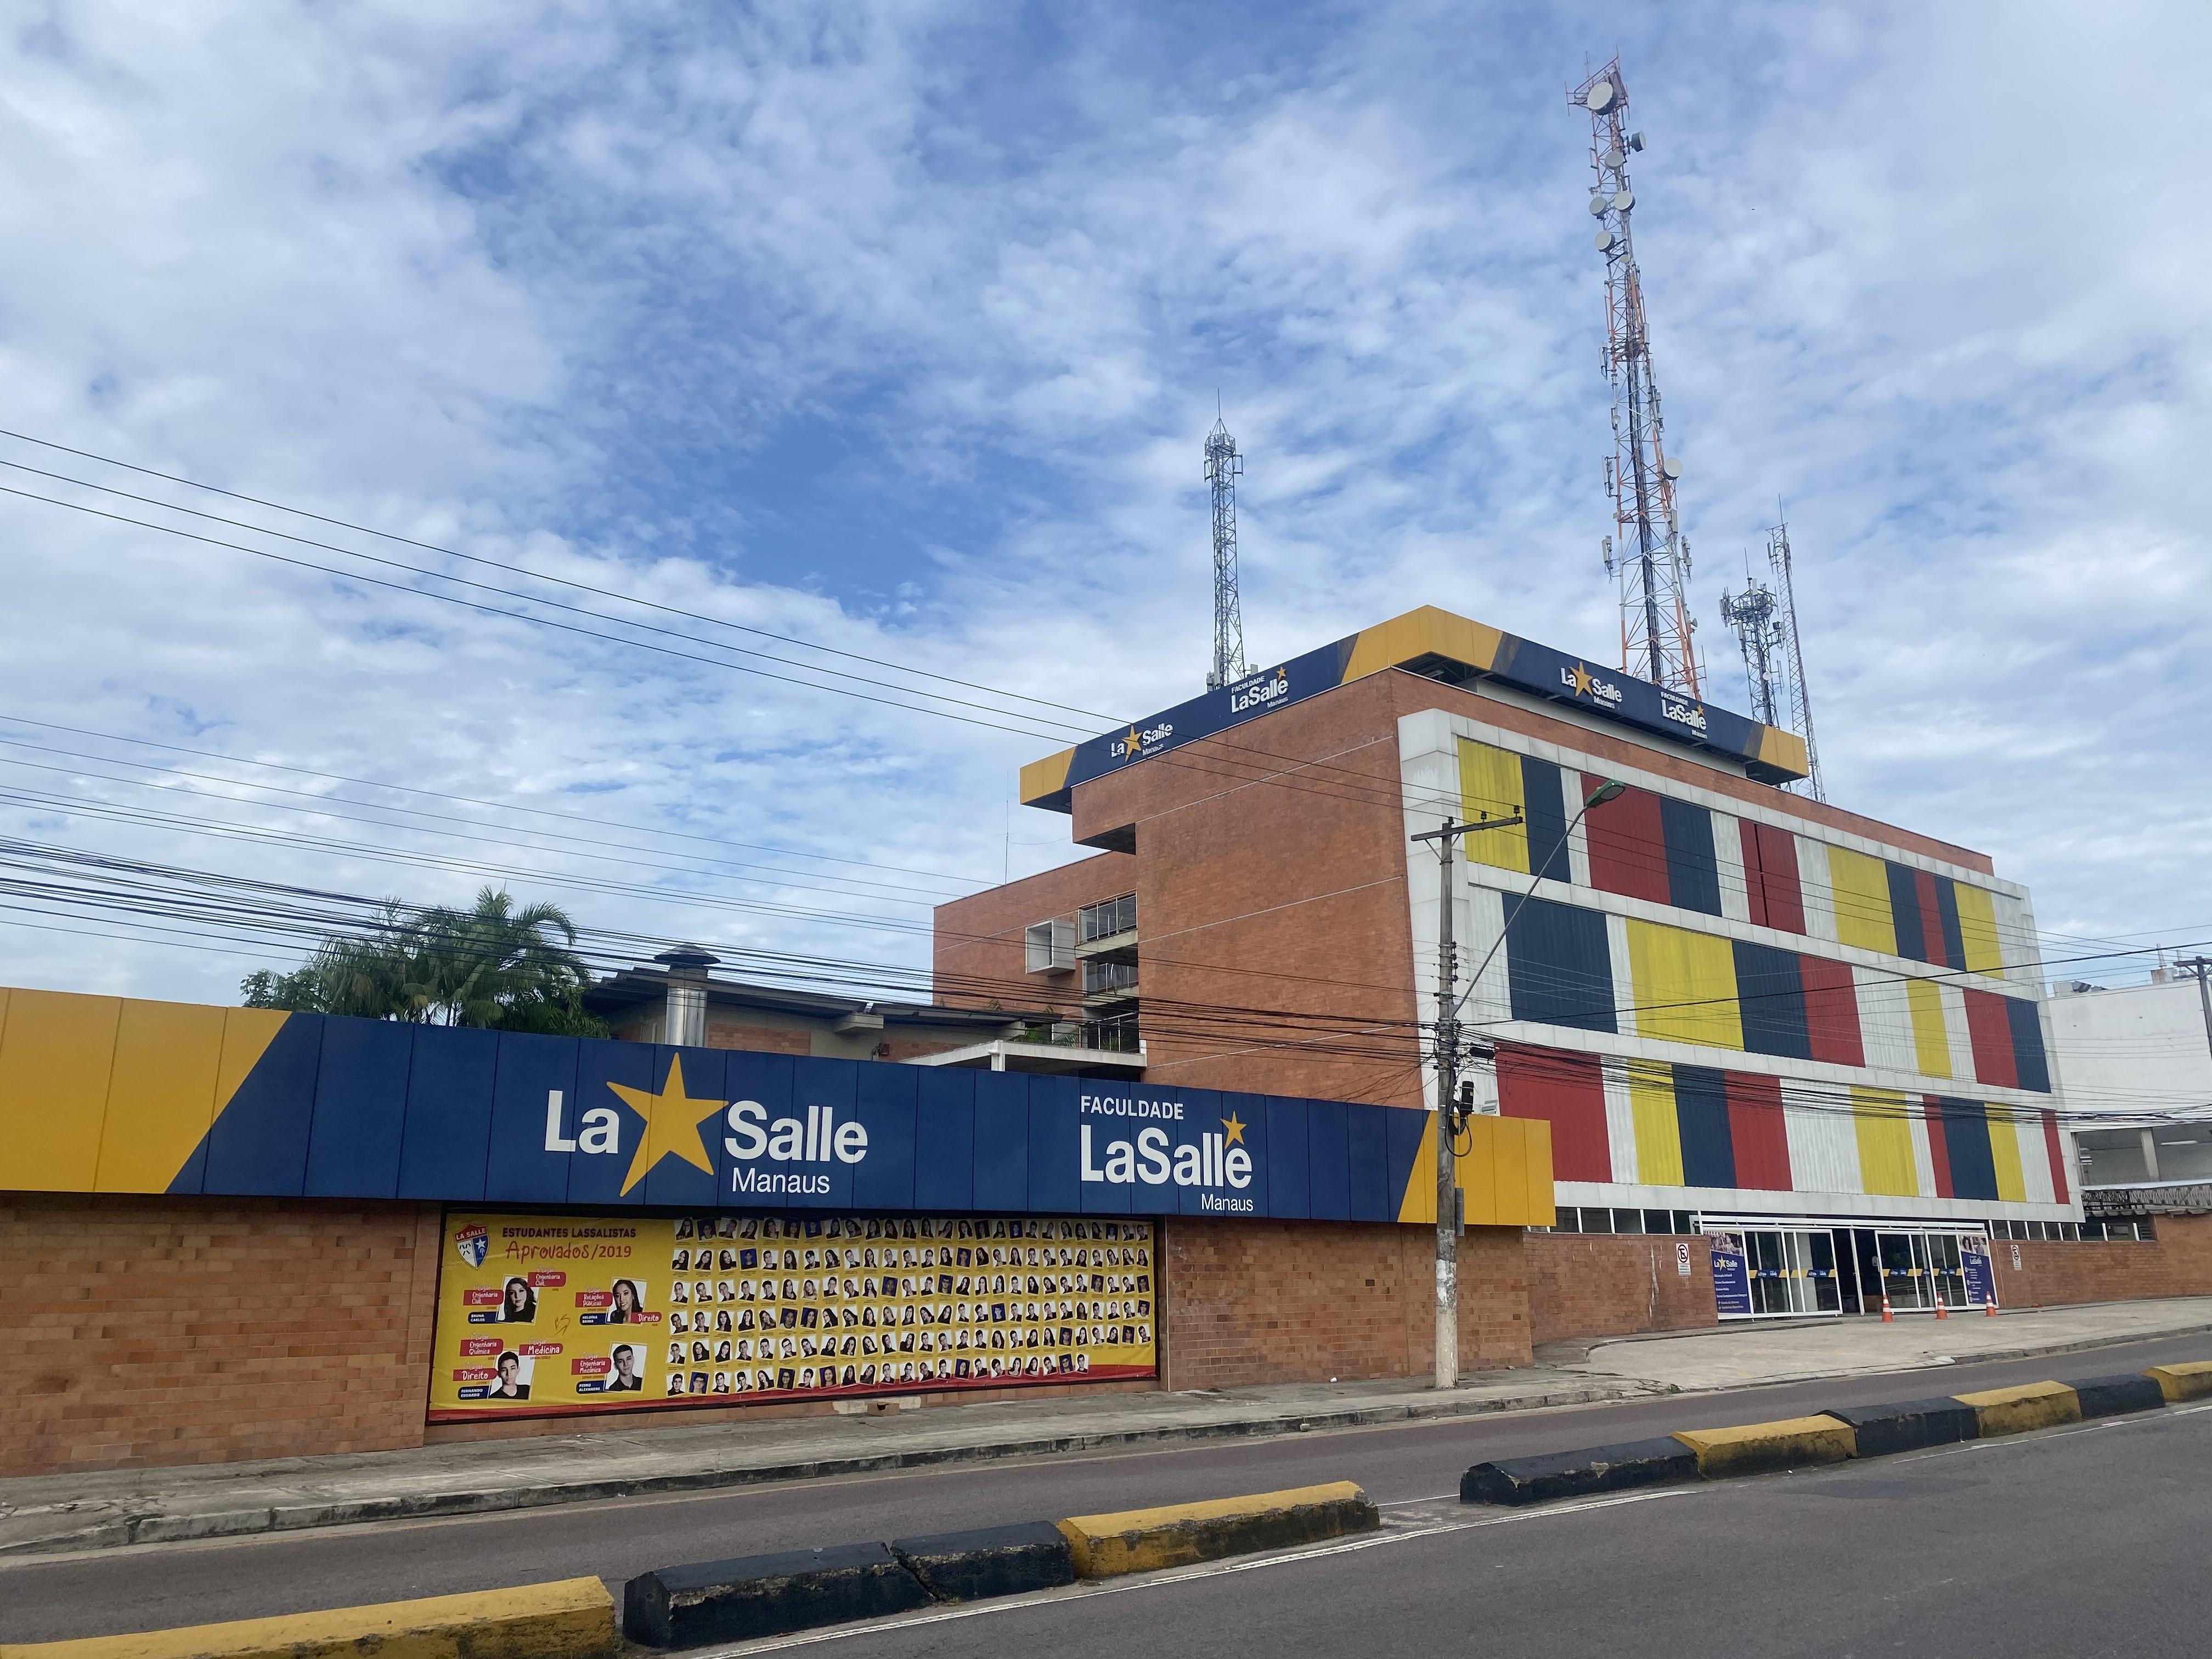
x=547, y=1315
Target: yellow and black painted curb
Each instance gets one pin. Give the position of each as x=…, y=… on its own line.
x=570, y=1619
x=1830, y=1436
x=752, y=1596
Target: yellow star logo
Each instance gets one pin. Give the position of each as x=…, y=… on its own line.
x=671, y=1124
x=1131, y=744
x=1582, y=681
x=1235, y=1131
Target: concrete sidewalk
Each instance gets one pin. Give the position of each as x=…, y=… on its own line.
x=1738, y=1356
x=54, y=1513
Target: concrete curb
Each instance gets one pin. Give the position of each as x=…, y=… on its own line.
x=756, y=1595
x=1182, y=1535
x=570, y=1619
x=1847, y=1433
x=761, y=1596
x=247, y=1520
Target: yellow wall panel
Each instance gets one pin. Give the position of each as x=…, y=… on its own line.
x=1658, y=1130
x=1685, y=986
x=1931, y=1042
x=1419, y=1202
x=246, y=1035
x=1506, y=1172
x=1977, y=929
x=55, y=1055
x=2004, y=1152
x=1490, y=783
x=1860, y=886
x=1885, y=1137
x=160, y=1097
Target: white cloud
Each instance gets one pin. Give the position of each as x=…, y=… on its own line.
x=899, y=327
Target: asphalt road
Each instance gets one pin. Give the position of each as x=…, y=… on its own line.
x=2090, y=1531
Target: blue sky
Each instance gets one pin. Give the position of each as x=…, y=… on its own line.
x=898, y=328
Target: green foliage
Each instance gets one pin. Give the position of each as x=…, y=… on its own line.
x=492, y=966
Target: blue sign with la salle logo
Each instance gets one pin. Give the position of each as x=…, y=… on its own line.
x=361, y=1109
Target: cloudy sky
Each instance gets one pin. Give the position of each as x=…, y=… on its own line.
x=897, y=330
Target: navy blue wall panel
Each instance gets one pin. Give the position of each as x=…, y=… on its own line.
x=1328, y=1163
x=596, y=1178
x=361, y=1109
x=530, y=1068
x=1946, y=910
x=1693, y=877
x=1544, y=804
x=448, y=1135
x=2027, y=1058
x=1290, y=1181
x=258, y=1146
x=1558, y=968
x=1770, y=993
x=945, y=1138
x=887, y=1107
x=1905, y=911
x=1002, y=1141
x=1056, y=1177
x=1966, y=1141
x=1701, y=1115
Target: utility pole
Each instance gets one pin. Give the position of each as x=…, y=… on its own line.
x=1451, y=1111
x=2201, y=966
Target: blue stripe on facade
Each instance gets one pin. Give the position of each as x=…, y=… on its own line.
x=1701, y=1115
x=1558, y=968
x=1947, y=909
x=1771, y=994
x=1544, y=805
x=1966, y=1144
x=1693, y=877
x=2029, y=1064
x=1905, y=913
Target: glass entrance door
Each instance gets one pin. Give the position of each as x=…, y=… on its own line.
x=1904, y=1279
x=1791, y=1272
x=1946, y=1271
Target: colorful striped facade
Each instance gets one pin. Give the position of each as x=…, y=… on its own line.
x=1733, y=1009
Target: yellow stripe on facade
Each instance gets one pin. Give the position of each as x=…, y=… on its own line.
x=160, y=1099
x=1977, y=929
x=1685, y=986
x=1419, y=1200
x=1931, y=1042
x=1885, y=1137
x=2005, y=1153
x=55, y=1056
x=1860, y=886
x=1658, y=1130
x=1490, y=784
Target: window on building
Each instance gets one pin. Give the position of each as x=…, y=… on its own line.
x=1048, y=947
x=1114, y=917
x=1116, y=1035
x=1100, y=977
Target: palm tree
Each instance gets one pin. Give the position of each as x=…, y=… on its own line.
x=493, y=965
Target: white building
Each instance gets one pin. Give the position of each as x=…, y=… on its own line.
x=2142, y=1056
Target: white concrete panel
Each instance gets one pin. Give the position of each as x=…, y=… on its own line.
x=1823, y=1148
x=1957, y=1034
x=1623, y=982
x=1728, y=857
x=1620, y=1122
x=1812, y=883
x=1885, y=1022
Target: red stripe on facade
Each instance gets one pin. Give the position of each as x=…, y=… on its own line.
x=1992, y=1034
x=1566, y=1090
x=1931, y=921
x=1627, y=844
x=1939, y=1145
x=1832, y=1011
x=1760, y=1136
x=1769, y=868
x=2055, y=1149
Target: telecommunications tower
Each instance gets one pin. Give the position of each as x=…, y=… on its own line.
x=1648, y=550
x=1223, y=466
x=1764, y=618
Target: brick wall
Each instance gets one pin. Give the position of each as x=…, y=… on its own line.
x=164, y=1331
x=2052, y=1273
x=1258, y=1302
x=1585, y=1284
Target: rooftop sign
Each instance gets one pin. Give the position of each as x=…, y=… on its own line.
x=1435, y=642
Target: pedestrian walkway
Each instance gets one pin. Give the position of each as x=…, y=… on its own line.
x=1744, y=1355
x=82, y=1511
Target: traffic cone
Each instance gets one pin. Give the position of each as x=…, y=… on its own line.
x=1888, y=1318
x=1989, y=1308
x=1942, y=1312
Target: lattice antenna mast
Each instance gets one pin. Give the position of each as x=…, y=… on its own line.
x=1647, y=550
x=1797, y=700
x=1223, y=466
x=1754, y=615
